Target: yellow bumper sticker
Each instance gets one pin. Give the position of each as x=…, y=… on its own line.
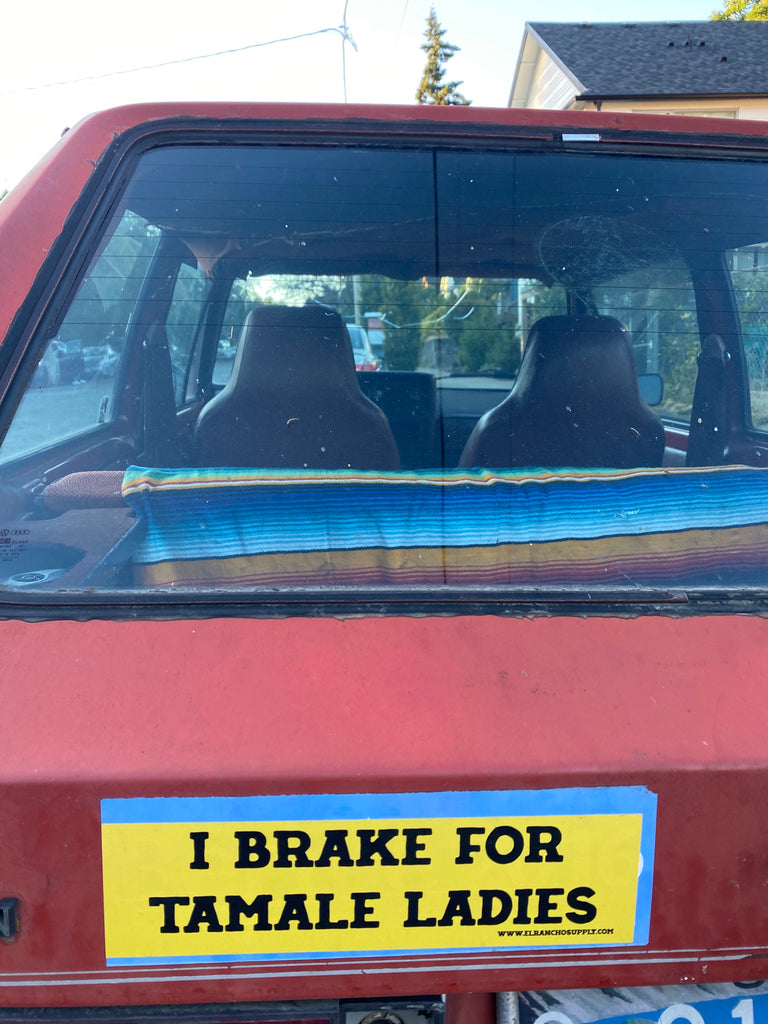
x=202, y=879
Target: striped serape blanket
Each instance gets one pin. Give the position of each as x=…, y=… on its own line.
x=300, y=528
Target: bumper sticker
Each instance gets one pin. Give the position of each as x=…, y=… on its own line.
x=299, y=877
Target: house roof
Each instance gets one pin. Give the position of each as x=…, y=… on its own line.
x=648, y=59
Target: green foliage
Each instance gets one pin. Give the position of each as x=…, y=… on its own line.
x=742, y=10
x=658, y=306
x=336, y=292
x=405, y=304
x=432, y=89
x=483, y=325
x=478, y=317
x=679, y=345
x=751, y=292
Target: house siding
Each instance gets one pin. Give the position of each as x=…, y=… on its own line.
x=550, y=88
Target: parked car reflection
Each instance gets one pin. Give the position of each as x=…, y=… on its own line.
x=361, y=348
x=72, y=362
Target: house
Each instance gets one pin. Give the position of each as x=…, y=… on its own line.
x=709, y=68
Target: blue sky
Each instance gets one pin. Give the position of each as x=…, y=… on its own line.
x=49, y=41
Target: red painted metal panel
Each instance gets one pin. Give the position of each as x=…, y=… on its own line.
x=123, y=702
x=234, y=707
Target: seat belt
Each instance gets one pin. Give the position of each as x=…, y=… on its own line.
x=707, y=434
x=162, y=446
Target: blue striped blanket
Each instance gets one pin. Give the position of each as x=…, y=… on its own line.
x=537, y=527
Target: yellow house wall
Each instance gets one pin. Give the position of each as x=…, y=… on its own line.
x=751, y=108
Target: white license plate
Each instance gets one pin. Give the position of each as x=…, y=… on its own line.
x=726, y=1003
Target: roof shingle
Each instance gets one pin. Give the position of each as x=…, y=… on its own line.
x=687, y=58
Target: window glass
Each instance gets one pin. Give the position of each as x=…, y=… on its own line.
x=658, y=307
x=73, y=385
x=445, y=326
x=748, y=267
x=323, y=367
x=243, y=296
x=186, y=317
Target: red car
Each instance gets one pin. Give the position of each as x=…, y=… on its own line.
x=361, y=348
x=371, y=697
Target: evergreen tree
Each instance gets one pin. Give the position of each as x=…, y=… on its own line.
x=432, y=88
x=742, y=10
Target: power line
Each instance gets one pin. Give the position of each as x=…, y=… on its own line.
x=402, y=19
x=343, y=31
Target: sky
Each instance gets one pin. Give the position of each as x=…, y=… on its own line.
x=63, y=59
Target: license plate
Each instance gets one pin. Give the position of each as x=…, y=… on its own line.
x=726, y=1003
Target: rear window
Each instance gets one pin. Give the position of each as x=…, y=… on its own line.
x=351, y=367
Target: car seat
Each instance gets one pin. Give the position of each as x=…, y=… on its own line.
x=293, y=399
x=575, y=403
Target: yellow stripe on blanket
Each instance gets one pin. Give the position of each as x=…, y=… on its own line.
x=713, y=557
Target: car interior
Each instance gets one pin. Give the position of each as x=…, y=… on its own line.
x=607, y=324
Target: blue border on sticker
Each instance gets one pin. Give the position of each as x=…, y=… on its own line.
x=360, y=806
x=375, y=806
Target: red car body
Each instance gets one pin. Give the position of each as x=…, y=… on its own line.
x=162, y=703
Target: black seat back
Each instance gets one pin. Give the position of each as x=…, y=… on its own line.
x=575, y=403
x=293, y=399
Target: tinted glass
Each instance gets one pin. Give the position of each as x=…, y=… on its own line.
x=362, y=367
x=748, y=267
